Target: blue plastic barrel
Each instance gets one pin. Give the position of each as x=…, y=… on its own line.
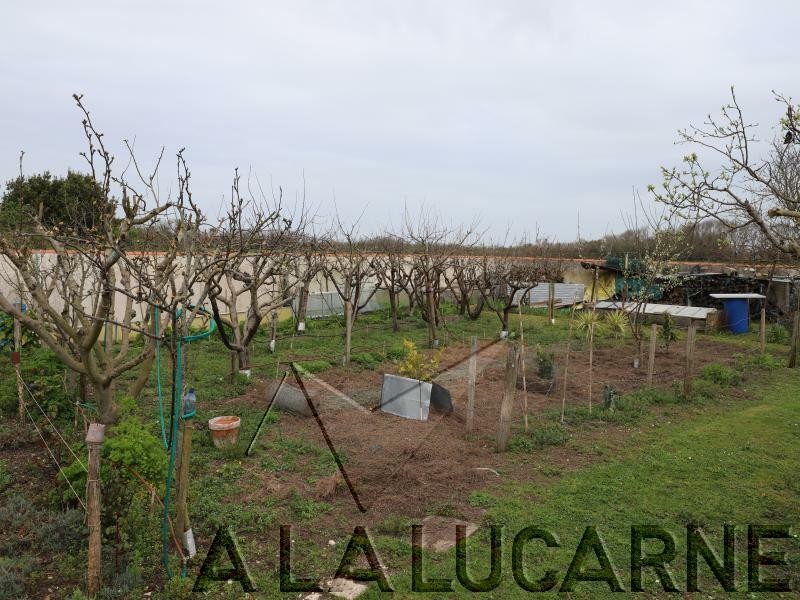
x=737, y=314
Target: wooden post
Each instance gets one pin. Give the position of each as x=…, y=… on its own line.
x=795, y=337
x=762, y=331
x=183, y=524
x=566, y=362
x=274, y=319
x=510, y=386
x=687, y=381
x=16, y=361
x=473, y=370
x=551, y=302
x=94, y=442
x=591, y=360
x=594, y=285
x=522, y=362
x=651, y=361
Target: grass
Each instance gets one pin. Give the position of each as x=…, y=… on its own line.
x=694, y=471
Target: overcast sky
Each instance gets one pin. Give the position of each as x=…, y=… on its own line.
x=523, y=113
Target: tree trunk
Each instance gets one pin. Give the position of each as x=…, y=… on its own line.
x=243, y=358
x=183, y=525
x=144, y=375
x=433, y=340
x=393, y=308
x=106, y=404
x=348, y=331
x=302, y=307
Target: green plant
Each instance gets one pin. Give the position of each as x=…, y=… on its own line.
x=315, y=366
x=585, y=321
x=368, y=360
x=416, y=365
x=721, y=375
x=777, y=334
x=540, y=436
x=668, y=334
x=544, y=363
x=395, y=525
x=306, y=508
x=28, y=337
x=617, y=323
x=481, y=499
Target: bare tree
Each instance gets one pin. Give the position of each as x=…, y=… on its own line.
x=433, y=244
x=350, y=268
x=259, y=240
x=756, y=183
x=394, y=271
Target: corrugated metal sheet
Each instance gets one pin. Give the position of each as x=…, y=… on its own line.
x=675, y=310
x=566, y=293
x=325, y=304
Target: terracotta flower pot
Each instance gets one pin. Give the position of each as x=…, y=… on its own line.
x=224, y=430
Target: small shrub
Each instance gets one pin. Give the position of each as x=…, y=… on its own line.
x=544, y=363
x=668, y=333
x=584, y=321
x=703, y=390
x=368, y=360
x=760, y=361
x=721, y=375
x=395, y=353
x=416, y=365
x=539, y=436
x=777, y=334
x=617, y=323
x=652, y=396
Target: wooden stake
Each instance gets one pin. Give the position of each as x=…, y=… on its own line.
x=522, y=361
x=591, y=360
x=473, y=370
x=18, y=350
x=94, y=442
x=551, y=301
x=795, y=337
x=566, y=362
x=183, y=524
x=762, y=331
x=506, y=408
x=651, y=361
x=687, y=381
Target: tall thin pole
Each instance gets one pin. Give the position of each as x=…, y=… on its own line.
x=473, y=368
x=762, y=331
x=687, y=381
x=16, y=360
x=566, y=362
x=94, y=442
x=522, y=362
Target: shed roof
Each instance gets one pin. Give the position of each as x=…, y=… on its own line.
x=675, y=310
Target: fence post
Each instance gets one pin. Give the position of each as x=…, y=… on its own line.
x=510, y=386
x=16, y=360
x=551, y=302
x=473, y=370
x=687, y=381
x=522, y=362
x=795, y=336
x=94, y=442
x=591, y=359
x=651, y=360
x=762, y=331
